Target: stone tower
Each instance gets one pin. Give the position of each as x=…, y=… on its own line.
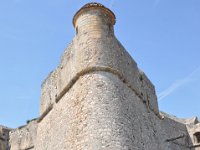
x=96, y=91
x=98, y=99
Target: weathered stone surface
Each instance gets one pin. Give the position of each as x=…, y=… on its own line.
x=103, y=101
x=23, y=138
x=4, y=138
x=98, y=99
x=101, y=112
x=193, y=126
x=96, y=48
x=48, y=92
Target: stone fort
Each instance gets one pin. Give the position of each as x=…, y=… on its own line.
x=98, y=99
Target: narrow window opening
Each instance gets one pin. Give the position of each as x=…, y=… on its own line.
x=110, y=27
x=197, y=137
x=76, y=30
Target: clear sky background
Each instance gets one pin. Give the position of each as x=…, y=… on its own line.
x=163, y=36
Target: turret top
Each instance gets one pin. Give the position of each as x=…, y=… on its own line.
x=95, y=5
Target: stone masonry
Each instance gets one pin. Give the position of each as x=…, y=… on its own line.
x=4, y=138
x=98, y=99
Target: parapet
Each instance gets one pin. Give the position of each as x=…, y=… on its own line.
x=94, y=18
x=95, y=6
x=23, y=138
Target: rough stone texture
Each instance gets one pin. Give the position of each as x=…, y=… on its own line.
x=98, y=99
x=48, y=92
x=103, y=101
x=101, y=112
x=23, y=138
x=4, y=138
x=95, y=47
x=193, y=127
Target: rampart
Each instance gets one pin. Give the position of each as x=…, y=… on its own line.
x=23, y=138
x=98, y=99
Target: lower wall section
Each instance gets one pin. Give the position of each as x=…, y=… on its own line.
x=23, y=138
x=4, y=138
x=100, y=112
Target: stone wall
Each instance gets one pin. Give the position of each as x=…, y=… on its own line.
x=48, y=92
x=193, y=127
x=96, y=50
x=23, y=138
x=101, y=112
x=174, y=135
x=4, y=138
x=98, y=99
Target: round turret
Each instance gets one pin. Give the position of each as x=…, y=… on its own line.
x=94, y=17
x=91, y=6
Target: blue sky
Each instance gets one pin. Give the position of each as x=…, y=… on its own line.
x=163, y=36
